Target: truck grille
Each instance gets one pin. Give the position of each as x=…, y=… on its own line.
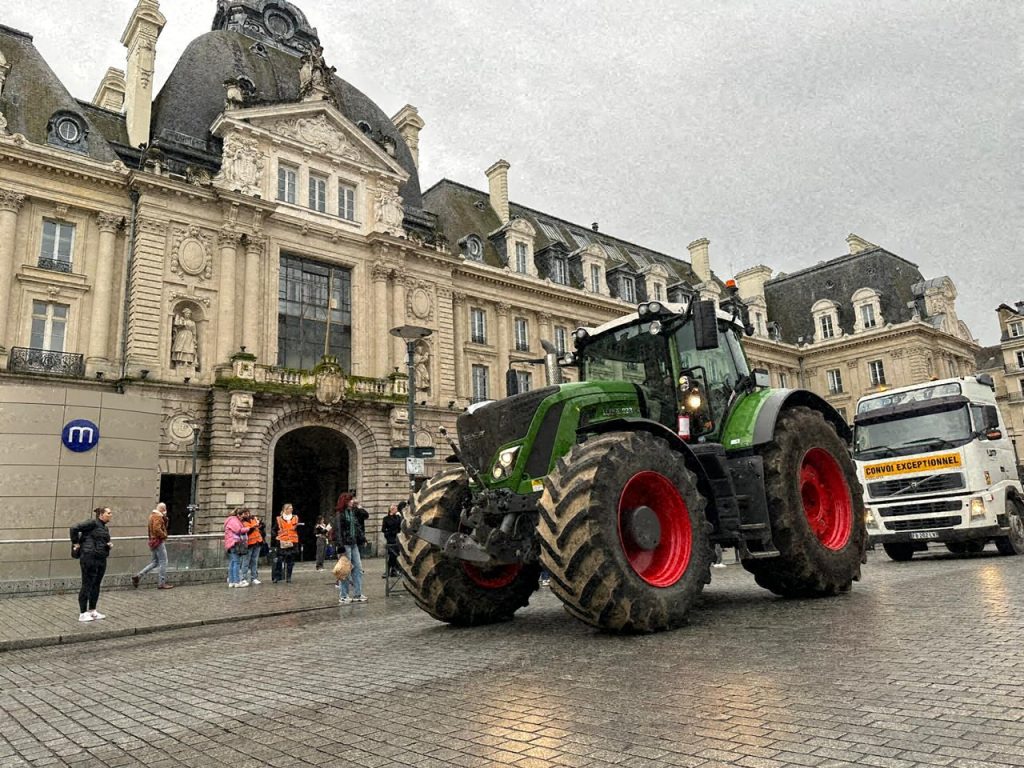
x=947, y=482
x=922, y=525
x=488, y=428
x=921, y=508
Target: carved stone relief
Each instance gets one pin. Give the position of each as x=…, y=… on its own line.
x=241, y=410
x=421, y=365
x=318, y=131
x=420, y=303
x=191, y=253
x=179, y=428
x=330, y=383
x=241, y=165
x=388, y=211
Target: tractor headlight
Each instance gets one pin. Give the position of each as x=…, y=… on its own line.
x=654, y=307
x=977, y=507
x=508, y=457
x=693, y=401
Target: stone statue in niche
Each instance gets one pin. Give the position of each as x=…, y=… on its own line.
x=421, y=365
x=184, y=342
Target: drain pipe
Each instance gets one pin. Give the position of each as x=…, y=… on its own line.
x=134, y=195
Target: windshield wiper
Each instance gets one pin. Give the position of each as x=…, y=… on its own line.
x=940, y=441
x=880, y=450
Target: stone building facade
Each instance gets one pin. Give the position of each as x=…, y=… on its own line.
x=1005, y=363
x=236, y=248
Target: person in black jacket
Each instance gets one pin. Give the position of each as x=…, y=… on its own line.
x=349, y=531
x=90, y=541
x=390, y=527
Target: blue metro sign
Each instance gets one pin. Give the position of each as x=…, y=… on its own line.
x=80, y=435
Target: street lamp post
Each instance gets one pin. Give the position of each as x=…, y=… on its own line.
x=193, y=506
x=411, y=334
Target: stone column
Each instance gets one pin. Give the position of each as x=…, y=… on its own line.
x=228, y=242
x=399, y=358
x=10, y=204
x=379, y=348
x=99, y=328
x=253, y=314
x=545, y=330
x=460, y=335
x=503, y=347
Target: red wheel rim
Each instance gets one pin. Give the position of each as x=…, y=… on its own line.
x=667, y=562
x=826, y=498
x=493, y=578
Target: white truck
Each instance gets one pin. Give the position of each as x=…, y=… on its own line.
x=937, y=466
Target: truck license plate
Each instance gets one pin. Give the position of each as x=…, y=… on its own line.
x=924, y=535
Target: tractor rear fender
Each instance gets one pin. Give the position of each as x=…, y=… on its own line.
x=752, y=420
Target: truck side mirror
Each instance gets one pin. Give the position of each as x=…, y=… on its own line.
x=992, y=433
x=705, y=325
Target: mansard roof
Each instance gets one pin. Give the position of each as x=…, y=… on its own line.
x=33, y=94
x=790, y=296
x=462, y=211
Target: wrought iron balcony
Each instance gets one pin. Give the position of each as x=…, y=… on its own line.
x=55, y=265
x=25, y=360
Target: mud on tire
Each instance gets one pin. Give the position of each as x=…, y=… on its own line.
x=596, y=569
x=452, y=590
x=815, y=508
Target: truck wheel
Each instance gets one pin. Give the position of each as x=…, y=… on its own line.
x=1014, y=543
x=815, y=509
x=956, y=547
x=623, y=533
x=899, y=552
x=451, y=590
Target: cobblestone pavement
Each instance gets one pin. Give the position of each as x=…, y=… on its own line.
x=920, y=665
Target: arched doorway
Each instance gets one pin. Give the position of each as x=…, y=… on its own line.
x=311, y=468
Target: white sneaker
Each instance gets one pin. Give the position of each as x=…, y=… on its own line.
x=718, y=565
x=86, y=616
x=255, y=581
x=242, y=583
x=342, y=600
x=97, y=615
x=360, y=598
x=231, y=585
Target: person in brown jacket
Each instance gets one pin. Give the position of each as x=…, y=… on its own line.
x=157, y=545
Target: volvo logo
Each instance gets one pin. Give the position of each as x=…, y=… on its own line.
x=80, y=435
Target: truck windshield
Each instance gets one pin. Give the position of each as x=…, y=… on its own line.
x=913, y=433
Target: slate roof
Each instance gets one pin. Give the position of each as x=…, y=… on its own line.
x=790, y=297
x=33, y=93
x=987, y=358
x=193, y=96
x=462, y=210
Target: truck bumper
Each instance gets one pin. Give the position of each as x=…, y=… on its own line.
x=941, y=535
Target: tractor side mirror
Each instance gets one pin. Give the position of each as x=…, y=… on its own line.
x=511, y=383
x=705, y=325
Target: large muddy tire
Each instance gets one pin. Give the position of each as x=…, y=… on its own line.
x=451, y=590
x=1014, y=543
x=623, y=533
x=815, y=508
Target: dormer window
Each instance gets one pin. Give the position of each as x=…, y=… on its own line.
x=628, y=289
x=595, y=278
x=68, y=131
x=867, y=309
x=826, y=320
x=1015, y=329
x=559, y=271
x=521, y=257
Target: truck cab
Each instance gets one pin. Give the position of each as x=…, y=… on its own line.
x=937, y=466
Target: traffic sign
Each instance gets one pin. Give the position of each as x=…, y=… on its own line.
x=413, y=466
x=419, y=452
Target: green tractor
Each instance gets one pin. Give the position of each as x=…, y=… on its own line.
x=621, y=484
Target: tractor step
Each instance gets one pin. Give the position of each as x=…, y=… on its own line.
x=754, y=527
x=761, y=555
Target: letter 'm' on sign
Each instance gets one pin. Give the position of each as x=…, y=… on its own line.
x=80, y=435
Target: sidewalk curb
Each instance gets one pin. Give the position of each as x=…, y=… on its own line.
x=80, y=637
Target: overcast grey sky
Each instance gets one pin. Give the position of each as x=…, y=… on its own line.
x=773, y=128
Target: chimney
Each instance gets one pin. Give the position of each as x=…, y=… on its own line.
x=594, y=226
x=140, y=39
x=409, y=124
x=497, y=178
x=858, y=244
x=699, y=259
x=110, y=94
x=751, y=281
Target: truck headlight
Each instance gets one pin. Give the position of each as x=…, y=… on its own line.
x=869, y=518
x=977, y=507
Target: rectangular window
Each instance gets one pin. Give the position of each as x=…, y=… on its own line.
x=317, y=193
x=759, y=323
x=286, y=176
x=523, y=380
x=867, y=316
x=1020, y=360
x=559, y=273
x=347, y=202
x=628, y=289
x=877, y=373
x=595, y=278
x=49, y=322
x=55, y=253
x=658, y=292
x=314, y=313
x=1016, y=329
x=479, y=383
x=835, y=381
x=521, y=258
x=827, y=329
x=477, y=326
x=560, y=337
x=522, y=335
x=783, y=380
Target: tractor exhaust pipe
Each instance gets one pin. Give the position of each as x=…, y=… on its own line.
x=552, y=372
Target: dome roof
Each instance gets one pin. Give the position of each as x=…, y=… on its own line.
x=193, y=95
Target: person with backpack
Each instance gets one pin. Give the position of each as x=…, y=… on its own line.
x=350, y=532
x=90, y=543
